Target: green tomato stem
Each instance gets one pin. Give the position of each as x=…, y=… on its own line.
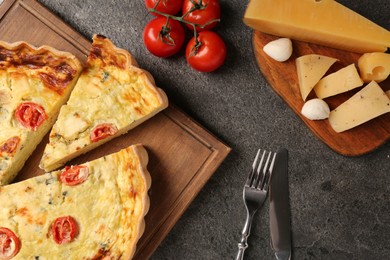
x=181, y=18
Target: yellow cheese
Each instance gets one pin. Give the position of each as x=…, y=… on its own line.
x=338, y=82
x=374, y=66
x=368, y=103
x=323, y=22
x=311, y=68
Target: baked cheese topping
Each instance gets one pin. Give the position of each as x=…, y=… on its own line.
x=51, y=70
x=107, y=206
x=34, y=83
x=111, y=97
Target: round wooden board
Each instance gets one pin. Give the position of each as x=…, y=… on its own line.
x=282, y=77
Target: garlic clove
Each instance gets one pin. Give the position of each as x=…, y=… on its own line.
x=279, y=50
x=315, y=109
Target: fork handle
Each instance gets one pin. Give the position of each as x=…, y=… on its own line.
x=243, y=244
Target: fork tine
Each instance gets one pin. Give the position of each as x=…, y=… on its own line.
x=270, y=169
x=257, y=175
x=252, y=172
x=255, y=161
x=261, y=171
x=266, y=171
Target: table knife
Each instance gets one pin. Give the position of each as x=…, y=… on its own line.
x=279, y=210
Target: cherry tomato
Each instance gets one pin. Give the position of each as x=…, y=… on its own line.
x=162, y=37
x=9, y=243
x=210, y=53
x=64, y=229
x=30, y=115
x=9, y=146
x=171, y=7
x=103, y=131
x=204, y=11
x=74, y=175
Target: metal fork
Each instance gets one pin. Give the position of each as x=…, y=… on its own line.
x=255, y=192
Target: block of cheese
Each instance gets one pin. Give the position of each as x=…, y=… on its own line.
x=311, y=68
x=374, y=66
x=368, y=103
x=338, y=82
x=323, y=22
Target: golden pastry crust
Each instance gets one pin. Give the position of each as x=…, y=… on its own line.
x=30, y=78
x=108, y=207
x=139, y=226
x=111, y=96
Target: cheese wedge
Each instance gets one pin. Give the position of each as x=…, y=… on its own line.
x=338, y=82
x=368, y=103
x=311, y=68
x=323, y=22
x=374, y=66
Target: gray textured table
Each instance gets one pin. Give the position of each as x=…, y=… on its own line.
x=340, y=205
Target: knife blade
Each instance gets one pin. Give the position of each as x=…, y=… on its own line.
x=279, y=210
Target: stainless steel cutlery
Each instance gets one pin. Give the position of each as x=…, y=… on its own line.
x=269, y=172
x=279, y=208
x=255, y=193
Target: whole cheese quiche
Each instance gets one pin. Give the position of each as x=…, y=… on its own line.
x=91, y=211
x=34, y=83
x=111, y=97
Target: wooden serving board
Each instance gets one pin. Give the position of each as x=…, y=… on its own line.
x=182, y=154
x=282, y=77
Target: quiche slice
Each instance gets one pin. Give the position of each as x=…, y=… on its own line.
x=91, y=211
x=34, y=83
x=111, y=97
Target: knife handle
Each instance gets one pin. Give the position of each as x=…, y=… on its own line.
x=244, y=238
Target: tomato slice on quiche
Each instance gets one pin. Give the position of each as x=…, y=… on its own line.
x=74, y=175
x=9, y=243
x=9, y=146
x=64, y=229
x=103, y=131
x=111, y=97
x=30, y=115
